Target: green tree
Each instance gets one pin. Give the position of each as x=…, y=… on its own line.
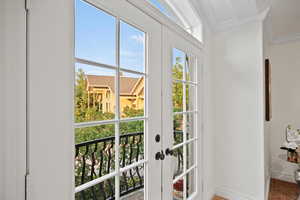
x=177, y=92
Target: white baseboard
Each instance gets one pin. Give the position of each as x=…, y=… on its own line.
x=283, y=176
x=267, y=188
x=232, y=194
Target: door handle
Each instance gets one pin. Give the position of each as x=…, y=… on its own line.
x=169, y=152
x=160, y=156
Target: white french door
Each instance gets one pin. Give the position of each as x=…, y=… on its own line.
x=117, y=101
x=181, y=116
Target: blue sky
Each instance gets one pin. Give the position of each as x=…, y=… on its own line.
x=95, y=40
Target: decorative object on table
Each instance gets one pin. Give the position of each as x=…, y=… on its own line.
x=291, y=144
x=268, y=105
x=292, y=136
x=178, y=189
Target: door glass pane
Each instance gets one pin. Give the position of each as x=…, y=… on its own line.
x=178, y=65
x=95, y=34
x=178, y=126
x=94, y=152
x=132, y=95
x=94, y=93
x=190, y=69
x=177, y=162
x=131, y=142
x=191, y=183
x=190, y=126
x=102, y=191
x=190, y=97
x=178, y=189
x=177, y=95
x=132, y=48
x=190, y=155
x=132, y=183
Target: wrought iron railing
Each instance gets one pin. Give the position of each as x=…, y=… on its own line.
x=94, y=159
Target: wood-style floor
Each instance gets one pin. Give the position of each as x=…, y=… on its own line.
x=279, y=190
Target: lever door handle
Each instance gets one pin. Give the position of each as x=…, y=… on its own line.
x=160, y=156
x=169, y=152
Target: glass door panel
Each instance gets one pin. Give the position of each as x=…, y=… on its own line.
x=116, y=98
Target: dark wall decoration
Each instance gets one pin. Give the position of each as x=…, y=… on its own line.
x=268, y=105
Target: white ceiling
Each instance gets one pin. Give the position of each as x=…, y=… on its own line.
x=222, y=14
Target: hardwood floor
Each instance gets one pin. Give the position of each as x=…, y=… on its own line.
x=218, y=198
x=279, y=190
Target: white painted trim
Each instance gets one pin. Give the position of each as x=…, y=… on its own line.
x=282, y=176
x=286, y=39
x=13, y=99
x=51, y=57
x=232, y=194
x=267, y=188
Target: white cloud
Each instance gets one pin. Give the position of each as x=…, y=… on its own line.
x=138, y=38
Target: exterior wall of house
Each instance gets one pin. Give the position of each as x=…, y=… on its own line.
x=136, y=100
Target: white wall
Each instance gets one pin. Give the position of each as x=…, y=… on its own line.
x=285, y=61
x=238, y=99
x=1, y=99
x=267, y=125
x=208, y=137
x=12, y=46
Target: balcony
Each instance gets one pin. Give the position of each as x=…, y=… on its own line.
x=96, y=158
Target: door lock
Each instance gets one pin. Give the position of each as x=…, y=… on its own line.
x=157, y=138
x=160, y=156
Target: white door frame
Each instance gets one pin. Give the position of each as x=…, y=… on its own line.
x=50, y=82
x=12, y=99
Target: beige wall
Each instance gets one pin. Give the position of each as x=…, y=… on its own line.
x=285, y=59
